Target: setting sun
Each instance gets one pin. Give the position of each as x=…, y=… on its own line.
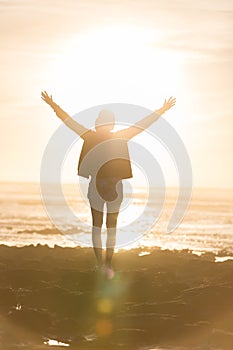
x=113, y=57
x=116, y=183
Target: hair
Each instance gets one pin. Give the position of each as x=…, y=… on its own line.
x=105, y=116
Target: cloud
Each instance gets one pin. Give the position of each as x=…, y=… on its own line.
x=198, y=28
x=213, y=49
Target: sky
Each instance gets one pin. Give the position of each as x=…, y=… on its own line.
x=93, y=52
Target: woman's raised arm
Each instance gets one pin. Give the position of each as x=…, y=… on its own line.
x=65, y=117
x=146, y=122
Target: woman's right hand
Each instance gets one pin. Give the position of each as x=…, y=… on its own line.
x=45, y=97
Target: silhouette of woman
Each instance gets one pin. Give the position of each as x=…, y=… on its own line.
x=105, y=160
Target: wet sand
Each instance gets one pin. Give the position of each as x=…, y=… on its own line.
x=163, y=300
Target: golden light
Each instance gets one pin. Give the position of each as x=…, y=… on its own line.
x=116, y=57
x=103, y=327
x=105, y=306
x=114, y=64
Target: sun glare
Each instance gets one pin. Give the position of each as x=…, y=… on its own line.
x=115, y=64
x=117, y=56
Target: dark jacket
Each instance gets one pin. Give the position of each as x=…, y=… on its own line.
x=104, y=157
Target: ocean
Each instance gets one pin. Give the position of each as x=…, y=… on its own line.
x=206, y=227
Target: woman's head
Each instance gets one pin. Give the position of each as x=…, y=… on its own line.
x=105, y=120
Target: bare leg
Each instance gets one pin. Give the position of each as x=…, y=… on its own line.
x=97, y=221
x=111, y=237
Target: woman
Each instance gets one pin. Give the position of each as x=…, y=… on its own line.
x=105, y=159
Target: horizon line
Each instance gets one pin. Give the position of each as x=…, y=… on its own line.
x=73, y=183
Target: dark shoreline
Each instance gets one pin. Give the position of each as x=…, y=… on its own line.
x=166, y=298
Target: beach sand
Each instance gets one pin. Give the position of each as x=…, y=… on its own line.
x=162, y=300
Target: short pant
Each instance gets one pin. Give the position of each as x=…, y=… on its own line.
x=105, y=190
